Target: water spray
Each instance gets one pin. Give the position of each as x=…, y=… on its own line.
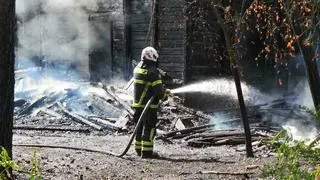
x=214, y=86
x=223, y=87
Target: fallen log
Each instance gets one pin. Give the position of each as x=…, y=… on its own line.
x=111, y=120
x=263, y=134
x=217, y=141
x=188, y=130
x=78, y=118
x=105, y=123
x=35, y=104
x=265, y=128
x=45, y=128
x=230, y=141
x=199, y=144
x=181, y=136
x=215, y=134
x=214, y=139
x=42, y=102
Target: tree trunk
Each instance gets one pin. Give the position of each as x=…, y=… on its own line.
x=229, y=35
x=309, y=55
x=312, y=72
x=7, y=34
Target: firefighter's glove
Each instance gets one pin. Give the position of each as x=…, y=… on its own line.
x=167, y=93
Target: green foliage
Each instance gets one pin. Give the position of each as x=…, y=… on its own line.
x=35, y=172
x=295, y=159
x=6, y=163
x=315, y=113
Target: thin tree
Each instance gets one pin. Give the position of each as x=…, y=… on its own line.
x=7, y=36
x=228, y=24
x=218, y=38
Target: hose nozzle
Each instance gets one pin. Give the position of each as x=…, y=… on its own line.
x=168, y=92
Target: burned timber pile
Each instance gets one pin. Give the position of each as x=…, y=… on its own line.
x=105, y=109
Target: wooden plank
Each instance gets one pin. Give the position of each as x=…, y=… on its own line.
x=177, y=2
x=173, y=19
x=48, y=128
x=111, y=120
x=139, y=29
x=169, y=65
x=137, y=33
x=140, y=25
x=172, y=51
x=139, y=38
x=174, y=68
x=215, y=134
x=167, y=59
x=139, y=17
x=106, y=123
x=173, y=39
x=140, y=45
x=176, y=43
x=188, y=130
x=78, y=118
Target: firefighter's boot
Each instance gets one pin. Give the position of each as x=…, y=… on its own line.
x=149, y=155
x=137, y=147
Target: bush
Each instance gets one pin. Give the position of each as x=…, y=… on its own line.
x=295, y=159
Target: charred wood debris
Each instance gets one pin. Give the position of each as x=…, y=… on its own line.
x=88, y=108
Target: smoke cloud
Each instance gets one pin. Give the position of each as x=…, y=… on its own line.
x=56, y=29
x=304, y=97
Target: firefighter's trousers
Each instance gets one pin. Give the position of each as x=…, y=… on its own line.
x=146, y=130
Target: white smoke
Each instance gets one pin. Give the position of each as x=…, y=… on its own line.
x=55, y=29
x=305, y=97
x=299, y=131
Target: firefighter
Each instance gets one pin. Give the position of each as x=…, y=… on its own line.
x=147, y=84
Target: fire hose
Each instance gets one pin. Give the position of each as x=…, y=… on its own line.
x=144, y=111
x=136, y=127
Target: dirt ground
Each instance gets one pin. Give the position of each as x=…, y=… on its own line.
x=177, y=161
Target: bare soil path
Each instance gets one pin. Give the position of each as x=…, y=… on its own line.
x=177, y=161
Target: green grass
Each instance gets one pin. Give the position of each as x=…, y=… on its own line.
x=7, y=164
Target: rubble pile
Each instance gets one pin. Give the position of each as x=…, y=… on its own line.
x=86, y=107
x=95, y=107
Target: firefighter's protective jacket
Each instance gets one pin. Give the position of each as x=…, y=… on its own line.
x=147, y=83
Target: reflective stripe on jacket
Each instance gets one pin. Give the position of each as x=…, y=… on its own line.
x=147, y=83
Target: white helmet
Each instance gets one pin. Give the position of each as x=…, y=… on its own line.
x=149, y=53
